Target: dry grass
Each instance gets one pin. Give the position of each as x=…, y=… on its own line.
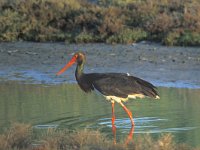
x=24, y=137
x=17, y=136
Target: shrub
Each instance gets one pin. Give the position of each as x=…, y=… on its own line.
x=84, y=37
x=111, y=21
x=189, y=38
x=10, y=25
x=161, y=23
x=140, y=13
x=128, y=36
x=171, y=38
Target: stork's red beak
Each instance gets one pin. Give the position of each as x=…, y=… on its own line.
x=71, y=62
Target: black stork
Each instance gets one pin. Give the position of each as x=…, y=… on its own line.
x=116, y=87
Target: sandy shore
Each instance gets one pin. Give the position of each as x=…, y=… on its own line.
x=164, y=66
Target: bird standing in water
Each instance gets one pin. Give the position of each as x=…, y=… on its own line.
x=116, y=87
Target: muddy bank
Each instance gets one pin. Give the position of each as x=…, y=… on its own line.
x=38, y=62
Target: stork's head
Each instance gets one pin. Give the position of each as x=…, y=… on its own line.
x=78, y=57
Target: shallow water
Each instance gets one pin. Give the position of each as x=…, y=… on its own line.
x=66, y=106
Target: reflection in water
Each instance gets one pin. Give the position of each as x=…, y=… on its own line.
x=114, y=133
x=129, y=136
x=66, y=106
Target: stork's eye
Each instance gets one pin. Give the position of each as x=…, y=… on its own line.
x=76, y=56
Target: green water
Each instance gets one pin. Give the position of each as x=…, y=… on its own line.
x=66, y=106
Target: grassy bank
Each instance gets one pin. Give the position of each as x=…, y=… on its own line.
x=25, y=137
x=172, y=22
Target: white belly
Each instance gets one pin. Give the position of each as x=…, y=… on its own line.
x=119, y=99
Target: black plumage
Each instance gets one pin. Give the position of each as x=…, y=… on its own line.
x=116, y=84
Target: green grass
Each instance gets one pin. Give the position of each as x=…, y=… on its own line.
x=24, y=137
x=112, y=21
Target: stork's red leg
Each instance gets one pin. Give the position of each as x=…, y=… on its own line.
x=113, y=123
x=113, y=113
x=128, y=112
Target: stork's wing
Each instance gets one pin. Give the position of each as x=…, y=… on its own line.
x=121, y=85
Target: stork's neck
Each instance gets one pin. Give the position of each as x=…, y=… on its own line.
x=79, y=71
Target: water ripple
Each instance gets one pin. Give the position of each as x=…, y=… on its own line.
x=143, y=125
x=45, y=126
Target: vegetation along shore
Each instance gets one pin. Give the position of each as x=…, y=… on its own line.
x=171, y=22
x=25, y=137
